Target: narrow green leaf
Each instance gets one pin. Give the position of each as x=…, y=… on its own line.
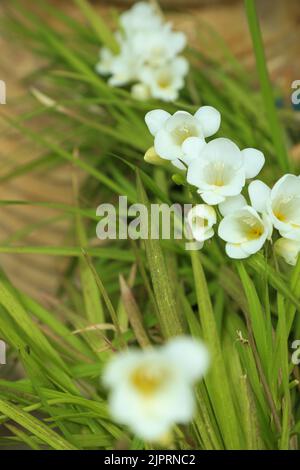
x=217, y=380
x=102, y=31
x=256, y=315
x=169, y=319
x=266, y=86
x=35, y=426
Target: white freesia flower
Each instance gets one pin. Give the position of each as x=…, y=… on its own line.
x=152, y=389
x=244, y=230
x=201, y=220
x=219, y=169
x=165, y=82
x=288, y=249
x=282, y=203
x=148, y=58
x=171, y=131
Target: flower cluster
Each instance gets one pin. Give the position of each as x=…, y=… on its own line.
x=151, y=390
x=219, y=171
x=148, y=57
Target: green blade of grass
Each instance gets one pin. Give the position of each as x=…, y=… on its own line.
x=266, y=87
x=102, y=31
x=221, y=396
x=170, y=320
x=260, y=265
x=105, y=253
x=36, y=427
x=257, y=317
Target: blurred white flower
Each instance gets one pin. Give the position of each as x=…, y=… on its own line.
x=288, y=249
x=165, y=82
x=201, y=219
x=282, y=203
x=158, y=48
x=124, y=67
x=244, y=231
x=171, y=131
x=148, y=57
x=219, y=169
x=151, y=390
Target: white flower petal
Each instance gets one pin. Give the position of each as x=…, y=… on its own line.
x=288, y=184
x=253, y=246
x=190, y=356
x=192, y=148
x=121, y=395
x=291, y=234
x=183, y=405
x=152, y=419
x=235, y=251
x=288, y=249
x=211, y=198
x=152, y=428
x=165, y=146
x=103, y=67
x=267, y=220
x=235, y=184
x=178, y=164
x=178, y=40
x=181, y=112
x=259, y=194
x=149, y=418
x=184, y=122
x=254, y=160
x=230, y=228
x=118, y=365
x=224, y=150
x=231, y=204
x=155, y=120
x=180, y=66
x=210, y=119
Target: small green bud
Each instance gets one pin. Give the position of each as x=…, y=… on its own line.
x=179, y=179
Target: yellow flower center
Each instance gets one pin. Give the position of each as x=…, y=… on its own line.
x=280, y=216
x=252, y=228
x=254, y=233
x=148, y=381
x=164, y=82
x=219, y=183
x=218, y=173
